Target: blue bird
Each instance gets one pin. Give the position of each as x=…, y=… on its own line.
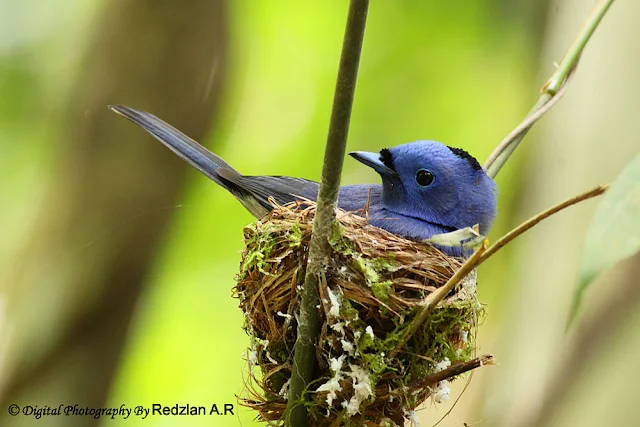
x=427, y=187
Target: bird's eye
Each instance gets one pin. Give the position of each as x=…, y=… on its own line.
x=424, y=177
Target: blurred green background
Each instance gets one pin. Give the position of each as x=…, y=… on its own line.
x=117, y=262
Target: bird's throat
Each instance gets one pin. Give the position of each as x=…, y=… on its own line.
x=447, y=228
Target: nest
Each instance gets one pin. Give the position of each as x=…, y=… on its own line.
x=375, y=284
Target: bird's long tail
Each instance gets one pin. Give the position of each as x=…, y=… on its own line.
x=188, y=149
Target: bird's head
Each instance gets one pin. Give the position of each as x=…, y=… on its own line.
x=436, y=183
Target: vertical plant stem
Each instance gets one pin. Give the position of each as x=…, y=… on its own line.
x=304, y=360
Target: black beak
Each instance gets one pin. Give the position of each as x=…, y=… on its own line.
x=373, y=161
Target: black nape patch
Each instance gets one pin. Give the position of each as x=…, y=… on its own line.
x=387, y=158
x=468, y=157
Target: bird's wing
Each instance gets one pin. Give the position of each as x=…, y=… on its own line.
x=254, y=191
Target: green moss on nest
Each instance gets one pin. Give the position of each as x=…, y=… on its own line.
x=347, y=312
x=295, y=235
x=379, y=282
x=382, y=289
x=259, y=246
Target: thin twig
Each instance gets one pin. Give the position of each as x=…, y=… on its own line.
x=551, y=91
x=438, y=295
x=525, y=226
x=304, y=360
x=452, y=371
x=482, y=255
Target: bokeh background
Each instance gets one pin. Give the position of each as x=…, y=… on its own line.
x=117, y=261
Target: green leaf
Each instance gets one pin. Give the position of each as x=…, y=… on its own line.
x=614, y=233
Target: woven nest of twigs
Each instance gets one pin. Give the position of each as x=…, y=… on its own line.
x=366, y=372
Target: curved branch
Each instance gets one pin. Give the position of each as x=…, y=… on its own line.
x=552, y=90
